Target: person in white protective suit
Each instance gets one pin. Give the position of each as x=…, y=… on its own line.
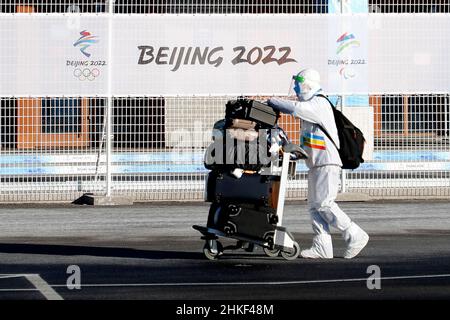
x=324, y=166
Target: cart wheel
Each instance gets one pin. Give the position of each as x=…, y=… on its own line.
x=291, y=255
x=271, y=252
x=268, y=251
x=212, y=249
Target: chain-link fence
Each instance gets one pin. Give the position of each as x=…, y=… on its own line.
x=57, y=147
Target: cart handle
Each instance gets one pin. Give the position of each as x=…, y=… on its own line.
x=296, y=151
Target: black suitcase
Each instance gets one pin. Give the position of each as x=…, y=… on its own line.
x=252, y=110
x=245, y=220
x=250, y=188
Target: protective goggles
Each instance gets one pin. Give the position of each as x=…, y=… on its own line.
x=298, y=78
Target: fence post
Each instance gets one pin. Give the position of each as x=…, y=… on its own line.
x=109, y=107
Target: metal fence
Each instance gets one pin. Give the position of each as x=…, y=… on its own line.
x=55, y=148
x=214, y=7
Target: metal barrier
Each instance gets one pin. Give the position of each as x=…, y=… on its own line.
x=58, y=148
x=158, y=147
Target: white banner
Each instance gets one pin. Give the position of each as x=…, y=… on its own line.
x=53, y=55
x=409, y=53
x=217, y=55
x=240, y=54
x=162, y=55
x=348, y=60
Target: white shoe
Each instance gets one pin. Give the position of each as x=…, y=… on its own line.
x=322, y=248
x=356, y=239
x=312, y=254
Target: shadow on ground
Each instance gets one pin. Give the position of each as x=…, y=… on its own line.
x=65, y=250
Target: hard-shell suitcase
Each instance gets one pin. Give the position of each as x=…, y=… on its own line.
x=245, y=220
x=251, y=188
x=256, y=111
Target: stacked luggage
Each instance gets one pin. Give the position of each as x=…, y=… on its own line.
x=240, y=140
x=243, y=185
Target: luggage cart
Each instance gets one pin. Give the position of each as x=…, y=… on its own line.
x=278, y=240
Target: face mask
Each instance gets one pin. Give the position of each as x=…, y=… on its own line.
x=299, y=86
x=297, y=89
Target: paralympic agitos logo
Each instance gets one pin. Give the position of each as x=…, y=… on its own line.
x=214, y=56
x=345, y=61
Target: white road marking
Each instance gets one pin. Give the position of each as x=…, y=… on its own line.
x=18, y=290
x=40, y=285
x=45, y=289
x=256, y=283
x=9, y=276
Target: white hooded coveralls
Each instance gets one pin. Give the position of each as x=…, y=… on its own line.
x=324, y=166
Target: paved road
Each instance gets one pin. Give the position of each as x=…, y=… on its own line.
x=151, y=252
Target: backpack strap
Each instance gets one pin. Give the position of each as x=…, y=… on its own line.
x=322, y=128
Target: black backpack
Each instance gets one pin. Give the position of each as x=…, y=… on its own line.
x=350, y=137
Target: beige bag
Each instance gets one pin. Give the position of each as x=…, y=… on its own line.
x=243, y=124
x=243, y=135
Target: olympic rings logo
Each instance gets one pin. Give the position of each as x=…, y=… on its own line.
x=86, y=74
